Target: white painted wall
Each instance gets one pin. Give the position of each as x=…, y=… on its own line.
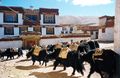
x=44, y=31
x=1, y=32
x=30, y=28
x=93, y=36
x=10, y=44
x=18, y=43
x=107, y=36
x=102, y=21
x=58, y=30
x=57, y=19
x=16, y=31
x=56, y=40
x=1, y=18
x=20, y=19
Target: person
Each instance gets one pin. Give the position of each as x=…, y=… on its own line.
x=71, y=41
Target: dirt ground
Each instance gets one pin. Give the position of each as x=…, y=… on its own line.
x=22, y=68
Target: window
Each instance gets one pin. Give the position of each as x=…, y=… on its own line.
x=49, y=30
x=10, y=18
x=23, y=29
x=71, y=29
x=8, y=30
x=0, y=25
x=37, y=29
x=103, y=30
x=32, y=18
x=91, y=32
x=49, y=19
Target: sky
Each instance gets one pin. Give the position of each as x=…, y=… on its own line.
x=68, y=7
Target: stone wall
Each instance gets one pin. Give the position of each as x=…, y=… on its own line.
x=56, y=40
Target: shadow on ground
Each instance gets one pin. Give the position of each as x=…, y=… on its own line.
x=27, y=67
x=56, y=74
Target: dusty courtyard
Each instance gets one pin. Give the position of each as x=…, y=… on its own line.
x=22, y=68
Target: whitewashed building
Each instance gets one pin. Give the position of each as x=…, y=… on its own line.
x=106, y=31
x=80, y=25
x=26, y=27
x=49, y=22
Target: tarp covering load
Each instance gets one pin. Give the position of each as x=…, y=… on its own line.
x=73, y=47
x=63, y=53
x=36, y=50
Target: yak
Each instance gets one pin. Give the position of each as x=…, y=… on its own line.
x=73, y=60
x=103, y=61
x=10, y=53
x=41, y=57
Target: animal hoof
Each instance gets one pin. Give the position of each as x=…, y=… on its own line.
x=54, y=68
x=73, y=74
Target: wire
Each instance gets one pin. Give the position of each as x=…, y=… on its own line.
x=25, y=18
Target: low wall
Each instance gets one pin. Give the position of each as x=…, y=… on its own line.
x=16, y=43
x=56, y=40
x=10, y=44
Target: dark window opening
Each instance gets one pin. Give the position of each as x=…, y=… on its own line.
x=37, y=29
x=10, y=18
x=49, y=19
x=8, y=30
x=49, y=30
x=103, y=30
x=23, y=29
x=91, y=32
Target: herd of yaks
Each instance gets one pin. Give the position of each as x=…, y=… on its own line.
x=103, y=61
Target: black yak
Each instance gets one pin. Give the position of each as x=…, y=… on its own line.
x=101, y=61
x=10, y=53
x=72, y=60
x=40, y=57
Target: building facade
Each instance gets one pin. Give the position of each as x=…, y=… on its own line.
x=32, y=26
x=106, y=31
x=16, y=20
x=28, y=24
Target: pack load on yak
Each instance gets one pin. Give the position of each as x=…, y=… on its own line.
x=37, y=54
x=36, y=50
x=73, y=47
x=63, y=53
x=68, y=58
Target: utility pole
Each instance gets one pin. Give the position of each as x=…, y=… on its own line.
x=117, y=36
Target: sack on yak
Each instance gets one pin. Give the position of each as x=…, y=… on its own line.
x=64, y=52
x=97, y=54
x=36, y=51
x=73, y=47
